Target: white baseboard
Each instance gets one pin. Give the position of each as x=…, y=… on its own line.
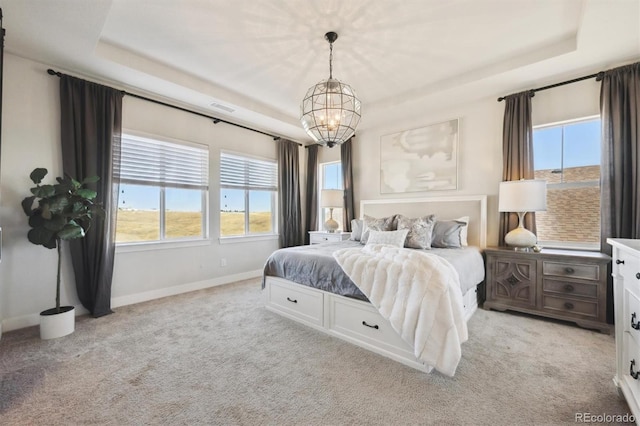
x=183, y=288
x=9, y=324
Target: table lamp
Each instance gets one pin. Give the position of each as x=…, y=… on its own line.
x=331, y=198
x=522, y=196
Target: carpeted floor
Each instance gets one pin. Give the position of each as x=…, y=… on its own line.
x=216, y=356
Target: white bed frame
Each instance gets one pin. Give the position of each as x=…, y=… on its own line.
x=357, y=321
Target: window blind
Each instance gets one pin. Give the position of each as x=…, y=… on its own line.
x=238, y=172
x=146, y=161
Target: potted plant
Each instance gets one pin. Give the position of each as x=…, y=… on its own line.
x=63, y=211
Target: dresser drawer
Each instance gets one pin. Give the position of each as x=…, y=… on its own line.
x=631, y=363
x=572, y=270
x=295, y=300
x=631, y=314
x=361, y=321
x=570, y=307
x=570, y=288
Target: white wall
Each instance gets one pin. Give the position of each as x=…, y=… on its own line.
x=480, y=140
x=31, y=139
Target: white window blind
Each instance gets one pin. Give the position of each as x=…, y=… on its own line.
x=240, y=172
x=159, y=163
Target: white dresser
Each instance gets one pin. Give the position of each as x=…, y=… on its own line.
x=626, y=293
x=317, y=237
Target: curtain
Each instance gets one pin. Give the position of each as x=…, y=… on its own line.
x=517, y=154
x=620, y=180
x=348, y=211
x=289, y=191
x=91, y=128
x=311, y=203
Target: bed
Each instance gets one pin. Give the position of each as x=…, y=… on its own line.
x=315, y=285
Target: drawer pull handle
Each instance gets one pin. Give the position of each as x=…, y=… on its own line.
x=568, y=288
x=633, y=374
x=638, y=275
x=568, y=305
x=292, y=300
x=619, y=262
x=370, y=326
x=635, y=325
x=569, y=270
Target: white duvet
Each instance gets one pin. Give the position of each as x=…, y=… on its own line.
x=418, y=293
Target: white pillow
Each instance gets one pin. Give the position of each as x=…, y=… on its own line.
x=356, y=229
x=392, y=238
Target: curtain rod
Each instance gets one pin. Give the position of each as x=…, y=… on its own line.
x=598, y=76
x=214, y=119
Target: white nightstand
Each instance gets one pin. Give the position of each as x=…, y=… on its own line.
x=317, y=237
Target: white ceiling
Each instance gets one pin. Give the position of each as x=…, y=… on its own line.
x=259, y=57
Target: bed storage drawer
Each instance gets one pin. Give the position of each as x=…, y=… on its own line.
x=361, y=321
x=295, y=301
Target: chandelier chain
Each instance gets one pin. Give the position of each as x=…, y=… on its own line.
x=330, y=60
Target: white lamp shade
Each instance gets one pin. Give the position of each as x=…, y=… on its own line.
x=523, y=196
x=331, y=198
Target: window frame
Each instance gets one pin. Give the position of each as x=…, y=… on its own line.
x=322, y=210
x=163, y=241
x=249, y=236
x=576, y=245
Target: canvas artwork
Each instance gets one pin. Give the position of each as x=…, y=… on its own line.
x=424, y=159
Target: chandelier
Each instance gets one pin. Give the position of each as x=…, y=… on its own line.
x=330, y=111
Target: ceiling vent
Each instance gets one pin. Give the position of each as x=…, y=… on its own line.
x=222, y=107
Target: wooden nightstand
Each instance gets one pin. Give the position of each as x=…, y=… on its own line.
x=317, y=237
x=569, y=285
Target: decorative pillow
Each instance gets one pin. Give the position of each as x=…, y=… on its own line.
x=420, y=230
x=374, y=224
x=446, y=234
x=391, y=238
x=464, y=230
x=356, y=229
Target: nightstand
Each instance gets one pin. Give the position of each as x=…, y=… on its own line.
x=568, y=285
x=317, y=237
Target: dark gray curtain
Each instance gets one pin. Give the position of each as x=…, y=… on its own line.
x=517, y=154
x=289, y=191
x=620, y=180
x=347, y=183
x=311, y=203
x=91, y=128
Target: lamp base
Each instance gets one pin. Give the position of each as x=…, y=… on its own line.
x=331, y=225
x=521, y=239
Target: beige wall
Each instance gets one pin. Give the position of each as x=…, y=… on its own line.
x=31, y=139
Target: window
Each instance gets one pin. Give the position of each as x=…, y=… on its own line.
x=163, y=191
x=248, y=188
x=567, y=156
x=330, y=178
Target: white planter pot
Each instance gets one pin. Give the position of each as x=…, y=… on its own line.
x=53, y=325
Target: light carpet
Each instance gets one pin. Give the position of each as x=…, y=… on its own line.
x=217, y=356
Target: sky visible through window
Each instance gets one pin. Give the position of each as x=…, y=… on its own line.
x=332, y=176
x=581, y=145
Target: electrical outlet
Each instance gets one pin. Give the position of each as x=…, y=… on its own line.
x=223, y=262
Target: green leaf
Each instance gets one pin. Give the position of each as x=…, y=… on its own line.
x=58, y=203
x=87, y=194
x=36, y=220
x=91, y=179
x=37, y=175
x=55, y=224
x=27, y=203
x=42, y=237
x=44, y=191
x=71, y=231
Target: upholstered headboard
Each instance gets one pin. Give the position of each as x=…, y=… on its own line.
x=447, y=207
